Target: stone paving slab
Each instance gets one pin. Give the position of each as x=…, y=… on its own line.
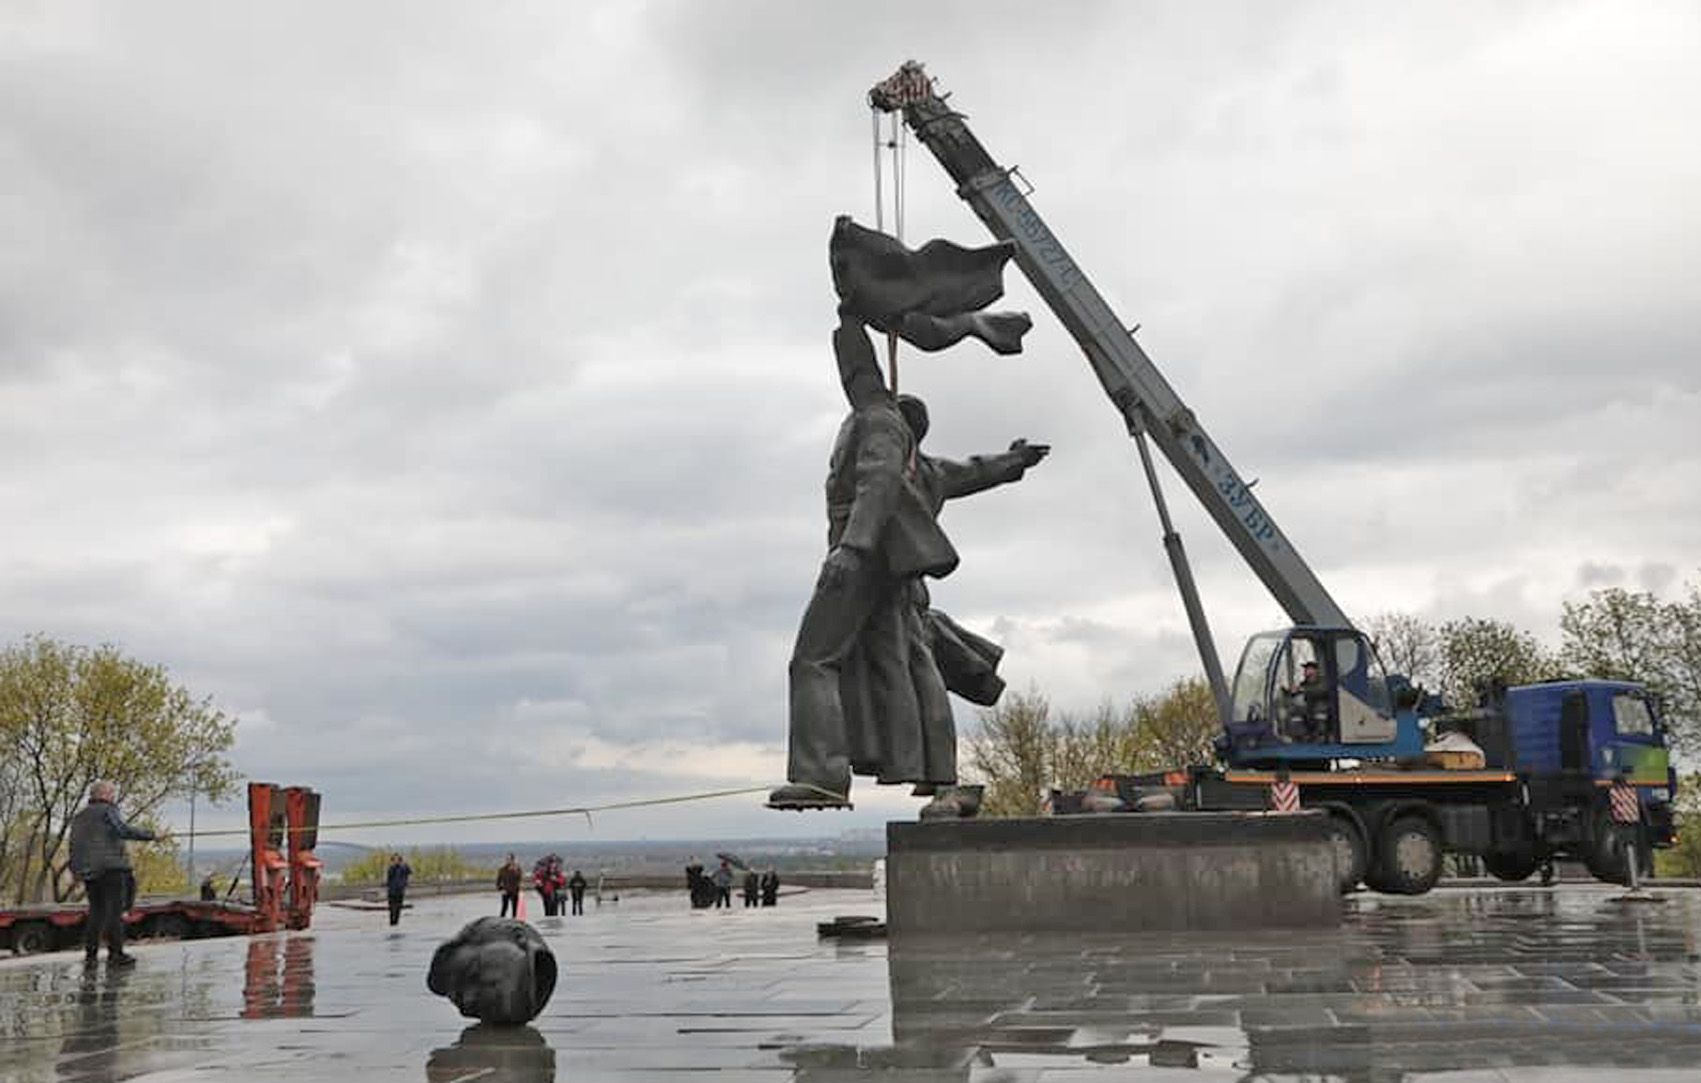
x=1463, y=986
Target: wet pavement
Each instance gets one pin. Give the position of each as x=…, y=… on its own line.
x=1462, y=986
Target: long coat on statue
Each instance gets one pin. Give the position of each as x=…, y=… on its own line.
x=898, y=724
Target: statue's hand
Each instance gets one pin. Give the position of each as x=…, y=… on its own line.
x=1031, y=453
x=842, y=562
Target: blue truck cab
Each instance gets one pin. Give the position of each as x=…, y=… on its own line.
x=1597, y=730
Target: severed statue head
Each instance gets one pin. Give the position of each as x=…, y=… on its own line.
x=496, y=970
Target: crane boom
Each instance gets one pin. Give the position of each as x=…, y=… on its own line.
x=1139, y=391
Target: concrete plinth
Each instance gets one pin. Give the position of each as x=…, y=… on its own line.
x=1111, y=873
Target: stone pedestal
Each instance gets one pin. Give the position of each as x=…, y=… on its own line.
x=1111, y=873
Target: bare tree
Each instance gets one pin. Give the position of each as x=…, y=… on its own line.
x=1408, y=645
x=1011, y=753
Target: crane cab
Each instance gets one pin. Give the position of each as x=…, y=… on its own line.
x=1309, y=694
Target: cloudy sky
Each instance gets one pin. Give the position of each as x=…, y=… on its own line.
x=445, y=388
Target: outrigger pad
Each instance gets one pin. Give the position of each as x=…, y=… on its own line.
x=932, y=296
x=495, y=970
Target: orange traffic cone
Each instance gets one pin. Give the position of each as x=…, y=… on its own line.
x=520, y=907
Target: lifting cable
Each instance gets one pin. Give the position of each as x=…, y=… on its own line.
x=526, y=814
x=894, y=143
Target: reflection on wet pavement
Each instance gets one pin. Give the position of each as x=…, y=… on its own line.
x=1509, y=984
x=277, y=978
x=1493, y=984
x=495, y=1054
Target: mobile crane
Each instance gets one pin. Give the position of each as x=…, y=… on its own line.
x=1344, y=737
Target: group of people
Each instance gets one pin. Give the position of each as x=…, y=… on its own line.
x=715, y=889
x=549, y=879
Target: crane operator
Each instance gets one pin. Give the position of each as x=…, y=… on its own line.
x=1311, y=703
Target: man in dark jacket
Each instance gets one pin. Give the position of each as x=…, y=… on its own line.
x=770, y=888
x=99, y=860
x=576, y=889
x=723, y=886
x=396, y=885
x=752, y=885
x=508, y=879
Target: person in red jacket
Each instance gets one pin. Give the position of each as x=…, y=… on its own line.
x=557, y=884
x=544, y=883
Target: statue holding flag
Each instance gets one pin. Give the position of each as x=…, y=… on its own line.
x=866, y=692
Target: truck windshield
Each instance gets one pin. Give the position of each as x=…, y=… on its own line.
x=1631, y=717
x=1249, y=679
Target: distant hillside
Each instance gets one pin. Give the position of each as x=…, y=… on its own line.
x=854, y=850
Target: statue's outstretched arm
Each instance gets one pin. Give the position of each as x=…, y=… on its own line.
x=982, y=472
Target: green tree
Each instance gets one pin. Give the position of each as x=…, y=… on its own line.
x=1683, y=689
x=159, y=867
x=1477, y=652
x=1684, y=859
x=430, y=864
x=1617, y=634
x=1175, y=728
x=1634, y=636
x=70, y=715
x=14, y=825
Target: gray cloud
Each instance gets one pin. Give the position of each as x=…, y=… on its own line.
x=447, y=391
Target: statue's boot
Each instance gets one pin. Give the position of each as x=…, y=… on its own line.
x=954, y=803
x=1002, y=331
x=801, y=796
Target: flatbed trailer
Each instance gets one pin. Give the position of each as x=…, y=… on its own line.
x=27, y=930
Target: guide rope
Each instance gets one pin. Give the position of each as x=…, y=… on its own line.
x=524, y=814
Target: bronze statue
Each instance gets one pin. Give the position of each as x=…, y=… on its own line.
x=866, y=692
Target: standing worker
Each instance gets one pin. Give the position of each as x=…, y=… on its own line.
x=396, y=885
x=723, y=885
x=751, y=887
x=770, y=888
x=99, y=860
x=508, y=883
x=576, y=888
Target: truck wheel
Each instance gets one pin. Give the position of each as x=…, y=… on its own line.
x=1352, y=855
x=1608, y=856
x=1410, y=853
x=1513, y=866
x=32, y=937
